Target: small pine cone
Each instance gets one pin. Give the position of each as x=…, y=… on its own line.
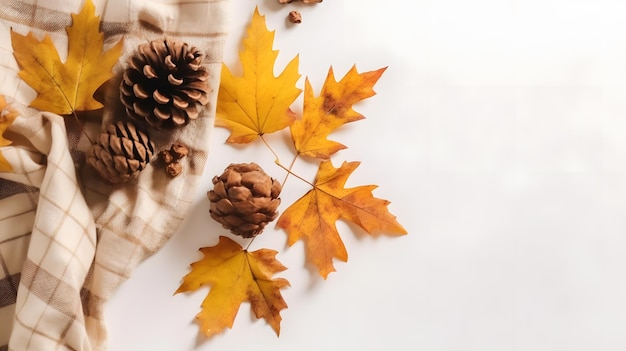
x=166, y=156
x=165, y=84
x=244, y=199
x=174, y=168
x=295, y=17
x=178, y=151
x=121, y=152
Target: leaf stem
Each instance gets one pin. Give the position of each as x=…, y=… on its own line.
x=250, y=243
x=82, y=127
x=288, y=170
x=293, y=162
x=293, y=174
x=270, y=148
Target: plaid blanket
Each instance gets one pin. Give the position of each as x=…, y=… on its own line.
x=67, y=239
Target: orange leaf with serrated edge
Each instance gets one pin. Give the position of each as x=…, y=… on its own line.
x=63, y=88
x=257, y=103
x=312, y=217
x=7, y=116
x=236, y=275
x=331, y=109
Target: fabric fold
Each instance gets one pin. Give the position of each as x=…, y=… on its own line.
x=62, y=241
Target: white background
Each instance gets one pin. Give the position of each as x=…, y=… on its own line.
x=498, y=133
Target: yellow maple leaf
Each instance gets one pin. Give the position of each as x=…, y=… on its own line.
x=330, y=110
x=258, y=102
x=236, y=275
x=63, y=88
x=312, y=217
x=7, y=116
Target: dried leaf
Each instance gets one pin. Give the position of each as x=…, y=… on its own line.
x=330, y=110
x=7, y=116
x=236, y=275
x=312, y=217
x=258, y=102
x=63, y=88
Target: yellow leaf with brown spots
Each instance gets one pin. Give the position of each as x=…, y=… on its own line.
x=312, y=217
x=331, y=109
x=236, y=275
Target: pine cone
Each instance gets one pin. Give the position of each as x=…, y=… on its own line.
x=121, y=152
x=244, y=199
x=165, y=84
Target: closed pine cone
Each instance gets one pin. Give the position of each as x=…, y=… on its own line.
x=244, y=199
x=165, y=84
x=121, y=152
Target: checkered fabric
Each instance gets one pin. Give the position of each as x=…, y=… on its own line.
x=67, y=239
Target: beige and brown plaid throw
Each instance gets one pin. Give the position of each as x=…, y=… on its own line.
x=67, y=240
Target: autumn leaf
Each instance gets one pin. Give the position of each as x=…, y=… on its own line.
x=236, y=275
x=312, y=217
x=7, y=116
x=331, y=109
x=258, y=102
x=63, y=88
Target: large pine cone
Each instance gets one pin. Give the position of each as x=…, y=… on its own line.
x=244, y=199
x=121, y=152
x=165, y=84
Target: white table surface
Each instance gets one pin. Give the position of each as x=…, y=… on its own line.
x=499, y=135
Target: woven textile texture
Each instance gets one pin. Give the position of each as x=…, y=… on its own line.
x=67, y=239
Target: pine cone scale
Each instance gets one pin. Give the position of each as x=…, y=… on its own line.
x=149, y=72
x=179, y=102
x=239, y=193
x=219, y=191
x=232, y=221
x=174, y=81
x=138, y=152
x=151, y=52
x=128, y=147
x=142, y=109
x=178, y=117
x=192, y=112
x=140, y=92
x=224, y=206
x=246, y=208
x=160, y=98
x=133, y=165
x=272, y=207
x=160, y=114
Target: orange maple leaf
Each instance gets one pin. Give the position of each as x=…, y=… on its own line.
x=257, y=103
x=330, y=110
x=312, y=217
x=7, y=116
x=236, y=275
x=67, y=87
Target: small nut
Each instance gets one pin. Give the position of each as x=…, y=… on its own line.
x=179, y=151
x=295, y=17
x=285, y=1
x=166, y=156
x=174, y=168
